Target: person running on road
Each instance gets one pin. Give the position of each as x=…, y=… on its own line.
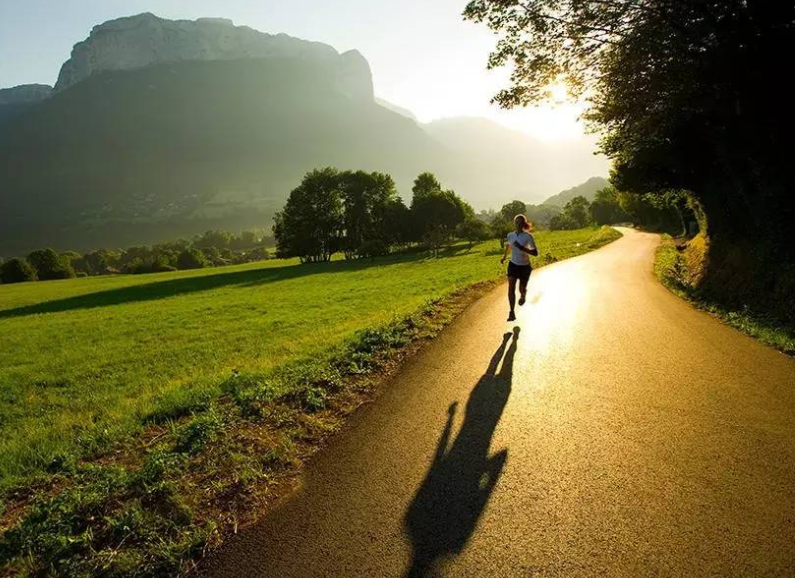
x=521, y=245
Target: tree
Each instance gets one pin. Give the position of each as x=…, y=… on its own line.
x=655, y=212
x=212, y=255
x=577, y=210
x=217, y=239
x=510, y=210
x=246, y=240
x=425, y=184
x=97, y=262
x=541, y=215
x=674, y=87
x=50, y=265
x=17, y=271
x=310, y=225
x=398, y=222
x=367, y=198
x=191, y=258
x=605, y=208
x=258, y=254
x=502, y=223
x=472, y=230
x=70, y=256
x=575, y=215
x=435, y=213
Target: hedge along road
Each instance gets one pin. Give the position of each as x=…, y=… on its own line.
x=612, y=430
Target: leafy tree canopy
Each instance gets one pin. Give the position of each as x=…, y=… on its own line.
x=509, y=211
x=50, y=265
x=425, y=184
x=311, y=224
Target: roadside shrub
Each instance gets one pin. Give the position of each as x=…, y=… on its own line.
x=547, y=259
x=252, y=392
x=199, y=431
x=309, y=398
x=601, y=236
x=158, y=463
x=79, y=532
x=17, y=271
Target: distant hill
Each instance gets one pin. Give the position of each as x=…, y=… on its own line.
x=395, y=108
x=511, y=164
x=588, y=189
x=14, y=101
x=25, y=94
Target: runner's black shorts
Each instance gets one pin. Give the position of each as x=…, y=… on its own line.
x=521, y=272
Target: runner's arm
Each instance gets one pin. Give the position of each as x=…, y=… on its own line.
x=505, y=253
x=530, y=251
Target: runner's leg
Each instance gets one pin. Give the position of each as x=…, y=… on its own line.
x=512, y=292
x=523, y=290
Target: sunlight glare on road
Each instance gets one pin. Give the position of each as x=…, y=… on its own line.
x=556, y=300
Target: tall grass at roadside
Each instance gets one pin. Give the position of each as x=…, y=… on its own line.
x=672, y=270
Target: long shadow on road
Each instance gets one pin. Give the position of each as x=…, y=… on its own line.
x=445, y=511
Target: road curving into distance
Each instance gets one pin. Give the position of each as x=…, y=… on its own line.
x=613, y=430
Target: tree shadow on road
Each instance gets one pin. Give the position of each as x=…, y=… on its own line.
x=445, y=511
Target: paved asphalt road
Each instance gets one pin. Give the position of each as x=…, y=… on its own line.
x=616, y=432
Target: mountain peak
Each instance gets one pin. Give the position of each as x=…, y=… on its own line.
x=145, y=39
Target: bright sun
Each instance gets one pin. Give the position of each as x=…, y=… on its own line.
x=558, y=92
x=554, y=121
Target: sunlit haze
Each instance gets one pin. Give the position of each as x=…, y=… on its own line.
x=424, y=57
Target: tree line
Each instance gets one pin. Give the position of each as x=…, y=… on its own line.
x=361, y=214
x=213, y=248
x=668, y=213
x=357, y=213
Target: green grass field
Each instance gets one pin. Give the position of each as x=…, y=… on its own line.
x=85, y=361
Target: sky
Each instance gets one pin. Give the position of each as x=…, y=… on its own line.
x=423, y=55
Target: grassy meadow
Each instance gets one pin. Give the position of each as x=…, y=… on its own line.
x=87, y=366
x=86, y=359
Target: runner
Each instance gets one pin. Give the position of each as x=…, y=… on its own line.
x=521, y=245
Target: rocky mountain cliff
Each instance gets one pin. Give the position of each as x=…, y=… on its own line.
x=144, y=40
